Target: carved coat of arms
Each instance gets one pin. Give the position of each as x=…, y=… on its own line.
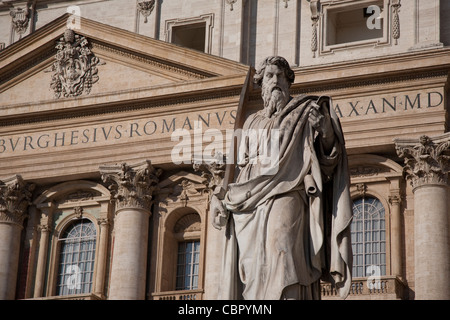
x=75, y=66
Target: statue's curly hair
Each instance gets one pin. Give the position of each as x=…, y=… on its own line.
x=274, y=60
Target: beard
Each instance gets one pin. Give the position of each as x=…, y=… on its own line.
x=275, y=98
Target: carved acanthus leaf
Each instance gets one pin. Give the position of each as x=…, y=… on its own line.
x=15, y=197
x=426, y=161
x=131, y=186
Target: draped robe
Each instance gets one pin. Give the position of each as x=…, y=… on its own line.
x=292, y=225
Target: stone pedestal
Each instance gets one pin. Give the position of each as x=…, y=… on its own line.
x=427, y=167
x=15, y=196
x=131, y=189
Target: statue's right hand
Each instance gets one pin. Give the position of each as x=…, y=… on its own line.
x=219, y=214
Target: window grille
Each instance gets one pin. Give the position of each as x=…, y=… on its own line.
x=188, y=265
x=368, y=235
x=76, y=258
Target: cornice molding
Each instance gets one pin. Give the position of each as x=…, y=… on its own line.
x=154, y=62
x=410, y=75
x=340, y=84
x=120, y=107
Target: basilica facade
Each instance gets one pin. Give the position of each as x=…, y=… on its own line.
x=113, y=112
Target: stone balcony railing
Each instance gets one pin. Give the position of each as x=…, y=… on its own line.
x=81, y=296
x=179, y=295
x=388, y=288
x=385, y=288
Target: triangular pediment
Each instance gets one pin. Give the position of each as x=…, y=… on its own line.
x=175, y=180
x=121, y=65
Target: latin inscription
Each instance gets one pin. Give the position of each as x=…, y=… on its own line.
x=113, y=132
x=388, y=104
x=163, y=127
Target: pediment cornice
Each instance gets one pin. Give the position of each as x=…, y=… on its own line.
x=171, y=74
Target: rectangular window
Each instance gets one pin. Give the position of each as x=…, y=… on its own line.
x=188, y=265
x=355, y=24
x=194, y=33
x=350, y=24
x=190, y=36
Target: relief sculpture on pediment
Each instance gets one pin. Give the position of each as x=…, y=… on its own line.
x=75, y=66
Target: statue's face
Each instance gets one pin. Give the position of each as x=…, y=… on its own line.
x=275, y=89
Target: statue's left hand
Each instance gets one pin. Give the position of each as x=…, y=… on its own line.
x=320, y=120
x=219, y=214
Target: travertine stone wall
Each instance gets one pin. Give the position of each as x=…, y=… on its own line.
x=249, y=30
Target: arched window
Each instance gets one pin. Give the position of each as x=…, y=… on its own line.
x=368, y=234
x=76, y=258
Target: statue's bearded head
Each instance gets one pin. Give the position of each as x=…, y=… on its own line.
x=275, y=77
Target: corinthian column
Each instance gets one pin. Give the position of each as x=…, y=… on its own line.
x=15, y=196
x=131, y=190
x=427, y=164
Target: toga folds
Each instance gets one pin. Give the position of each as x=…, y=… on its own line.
x=291, y=226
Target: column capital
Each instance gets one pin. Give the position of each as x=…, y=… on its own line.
x=131, y=186
x=15, y=196
x=427, y=159
x=103, y=222
x=395, y=199
x=213, y=172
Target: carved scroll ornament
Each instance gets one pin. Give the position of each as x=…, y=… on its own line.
x=145, y=8
x=20, y=18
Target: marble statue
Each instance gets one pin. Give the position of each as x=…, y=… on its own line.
x=287, y=228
